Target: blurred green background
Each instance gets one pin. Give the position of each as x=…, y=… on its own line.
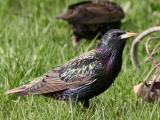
x=32, y=42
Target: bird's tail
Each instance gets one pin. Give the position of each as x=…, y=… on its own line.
x=19, y=90
x=63, y=17
x=58, y=17
x=25, y=89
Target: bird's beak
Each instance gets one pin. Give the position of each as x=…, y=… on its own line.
x=128, y=35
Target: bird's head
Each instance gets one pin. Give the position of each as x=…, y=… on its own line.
x=114, y=40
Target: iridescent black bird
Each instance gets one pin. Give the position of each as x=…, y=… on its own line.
x=85, y=76
x=90, y=18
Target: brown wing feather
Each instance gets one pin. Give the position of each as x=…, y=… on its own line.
x=93, y=13
x=48, y=83
x=103, y=14
x=73, y=11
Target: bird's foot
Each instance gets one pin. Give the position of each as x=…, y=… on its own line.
x=85, y=103
x=75, y=40
x=72, y=103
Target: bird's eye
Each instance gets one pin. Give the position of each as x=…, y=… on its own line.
x=119, y=34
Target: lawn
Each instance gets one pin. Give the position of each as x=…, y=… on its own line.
x=32, y=42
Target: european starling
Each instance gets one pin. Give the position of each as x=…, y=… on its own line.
x=85, y=76
x=90, y=18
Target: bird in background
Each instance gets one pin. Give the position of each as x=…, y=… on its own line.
x=85, y=76
x=89, y=19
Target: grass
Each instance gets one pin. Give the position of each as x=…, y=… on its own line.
x=32, y=42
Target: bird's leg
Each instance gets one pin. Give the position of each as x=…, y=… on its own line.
x=85, y=103
x=71, y=101
x=71, y=104
x=75, y=40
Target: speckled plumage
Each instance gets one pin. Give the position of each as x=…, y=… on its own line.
x=83, y=77
x=89, y=18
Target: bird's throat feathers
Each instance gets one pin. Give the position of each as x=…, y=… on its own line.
x=111, y=54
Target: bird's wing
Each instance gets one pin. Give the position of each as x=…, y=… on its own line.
x=78, y=71
x=93, y=13
x=85, y=65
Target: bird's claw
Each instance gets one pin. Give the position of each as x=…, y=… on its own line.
x=74, y=40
